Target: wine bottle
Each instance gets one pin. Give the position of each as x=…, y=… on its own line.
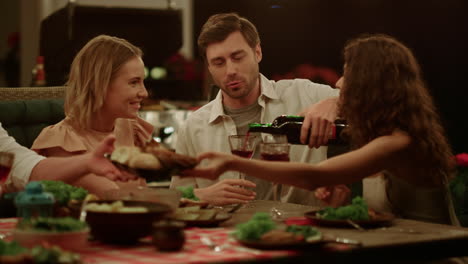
x=38, y=78
x=290, y=126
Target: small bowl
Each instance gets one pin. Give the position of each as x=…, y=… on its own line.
x=125, y=228
x=73, y=240
x=170, y=197
x=168, y=235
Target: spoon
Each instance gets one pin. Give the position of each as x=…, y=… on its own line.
x=211, y=245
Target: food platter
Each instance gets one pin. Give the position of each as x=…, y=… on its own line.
x=152, y=162
x=267, y=245
x=218, y=219
x=376, y=220
x=148, y=174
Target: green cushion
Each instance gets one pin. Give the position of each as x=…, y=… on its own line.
x=24, y=120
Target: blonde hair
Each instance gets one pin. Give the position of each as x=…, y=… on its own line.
x=91, y=71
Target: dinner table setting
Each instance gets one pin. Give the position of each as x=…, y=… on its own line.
x=171, y=240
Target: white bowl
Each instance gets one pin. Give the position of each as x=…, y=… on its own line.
x=72, y=241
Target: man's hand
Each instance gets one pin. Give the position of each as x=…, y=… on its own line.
x=334, y=196
x=318, y=120
x=228, y=191
x=100, y=165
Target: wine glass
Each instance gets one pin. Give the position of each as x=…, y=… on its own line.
x=243, y=146
x=272, y=151
x=6, y=162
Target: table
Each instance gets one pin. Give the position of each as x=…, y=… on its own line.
x=393, y=244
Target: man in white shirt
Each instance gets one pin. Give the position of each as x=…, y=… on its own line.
x=29, y=166
x=231, y=47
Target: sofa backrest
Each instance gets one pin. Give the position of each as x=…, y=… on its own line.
x=24, y=112
x=30, y=93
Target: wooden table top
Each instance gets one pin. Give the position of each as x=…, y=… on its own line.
x=415, y=239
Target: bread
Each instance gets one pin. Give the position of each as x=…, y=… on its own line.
x=123, y=154
x=154, y=157
x=144, y=161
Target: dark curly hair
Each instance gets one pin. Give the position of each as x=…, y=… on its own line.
x=384, y=91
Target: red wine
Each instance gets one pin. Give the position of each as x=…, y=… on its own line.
x=291, y=127
x=4, y=171
x=275, y=157
x=243, y=153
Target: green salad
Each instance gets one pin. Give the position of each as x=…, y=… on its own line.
x=356, y=211
x=63, y=192
x=59, y=224
x=187, y=192
x=11, y=248
x=307, y=232
x=261, y=223
x=38, y=254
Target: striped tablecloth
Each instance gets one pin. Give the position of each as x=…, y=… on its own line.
x=193, y=252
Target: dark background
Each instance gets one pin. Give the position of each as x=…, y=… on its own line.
x=315, y=31
x=293, y=32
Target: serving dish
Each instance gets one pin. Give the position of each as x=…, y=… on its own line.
x=377, y=219
x=218, y=219
x=72, y=240
x=125, y=227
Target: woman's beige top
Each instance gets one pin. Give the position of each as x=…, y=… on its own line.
x=388, y=193
x=129, y=132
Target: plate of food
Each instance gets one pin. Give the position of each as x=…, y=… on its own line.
x=13, y=253
x=196, y=215
x=152, y=162
x=261, y=232
x=67, y=232
x=357, y=214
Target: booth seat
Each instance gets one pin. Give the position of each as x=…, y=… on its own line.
x=25, y=111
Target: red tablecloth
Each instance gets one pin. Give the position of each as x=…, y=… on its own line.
x=193, y=252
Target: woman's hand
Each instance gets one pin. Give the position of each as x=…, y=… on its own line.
x=217, y=164
x=318, y=121
x=334, y=196
x=227, y=191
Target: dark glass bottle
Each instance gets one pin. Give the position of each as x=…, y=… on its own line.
x=38, y=73
x=291, y=127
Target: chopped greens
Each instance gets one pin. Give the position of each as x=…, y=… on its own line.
x=187, y=192
x=259, y=224
x=307, y=232
x=39, y=254
x=54, y=254
x=356, y=211
x=63, y=192
x=64, y=224
x=11, y=248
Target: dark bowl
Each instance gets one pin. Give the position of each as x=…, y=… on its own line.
x=125, y=228
x=149, y=174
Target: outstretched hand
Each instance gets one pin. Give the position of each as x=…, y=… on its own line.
x=100, y=165
x=227, y=191
x=318, y=120
x=215, y=166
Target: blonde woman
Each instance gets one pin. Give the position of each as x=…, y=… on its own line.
x=104, y=93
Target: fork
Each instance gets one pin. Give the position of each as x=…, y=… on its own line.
x=211, y=245
x=355, y=225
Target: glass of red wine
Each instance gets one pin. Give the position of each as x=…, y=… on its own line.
x=272, y=151
x=243, y=146
x=6, y=162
